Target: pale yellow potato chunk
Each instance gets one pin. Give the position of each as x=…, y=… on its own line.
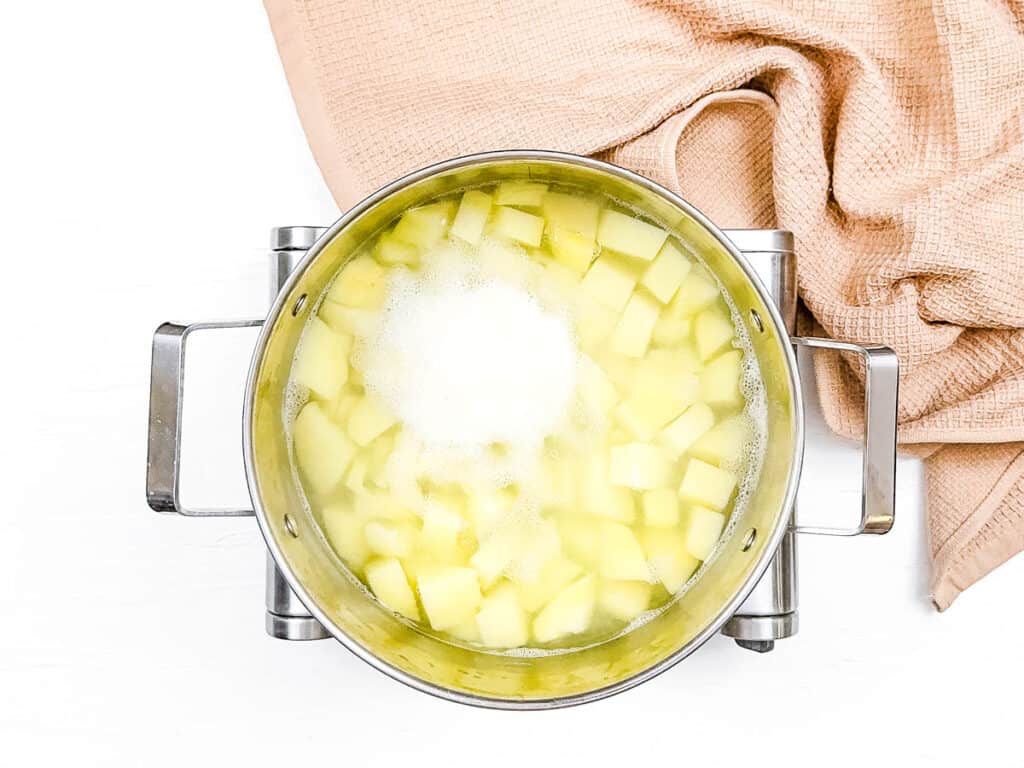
x=702, y=530
x=666, y=273
x=720, y=380
x=392, y=251
x=725, y=443
x=572, y=249
x=344, y=531
x=322, y=450
x=610, y=282
x=496, y=553
x=442, y=524
x=568, y=613
x=712, y=330
x=594, y=386
x=362, y=283
x=321, y=363
x=390, y=585
x=501, y=619
x=697, y=291
x=629, y=235
x=632, y=334
x=671, y=563
x=554, y=576
x=450, y=596
x=641, y=466
x=389, y=538
x=621, y=557
x=624, y=600
x=571, y=212
x=661, y=508
x=425, y=226
x=598, y=495
x=527, y=194
x=369, y=418
x=471, y=217
x=687, y=429
x=707, y=484
x=518, y=225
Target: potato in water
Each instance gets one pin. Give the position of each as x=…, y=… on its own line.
x=526, y=419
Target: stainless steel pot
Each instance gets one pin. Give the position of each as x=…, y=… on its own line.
x=304, y=567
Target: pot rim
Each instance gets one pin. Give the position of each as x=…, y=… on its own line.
x=726, y=611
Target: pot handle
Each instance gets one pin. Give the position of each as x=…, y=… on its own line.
x=163, y=459
x=881, y=391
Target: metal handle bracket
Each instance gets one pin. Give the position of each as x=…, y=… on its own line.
x=881, y=393
x=166, y=395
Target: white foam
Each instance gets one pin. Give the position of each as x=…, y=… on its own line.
x=467, y=357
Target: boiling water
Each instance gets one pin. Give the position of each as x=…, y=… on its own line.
x=496, y=408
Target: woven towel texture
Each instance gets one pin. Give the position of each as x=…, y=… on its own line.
x=886, y=134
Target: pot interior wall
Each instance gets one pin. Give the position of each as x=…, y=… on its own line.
x=370, y=630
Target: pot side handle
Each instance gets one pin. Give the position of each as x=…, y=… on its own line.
x=166, y=393
x=881, y=394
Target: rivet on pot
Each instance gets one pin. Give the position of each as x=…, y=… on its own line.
x=751, y=537
x=289, y=525
x=299, y=304
x=756, y=318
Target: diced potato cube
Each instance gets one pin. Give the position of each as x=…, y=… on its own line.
x=541, y=542
x=725, y=443
x=621, y=556
x=661, y=508
x=594, y=323
x=518, y=225
x=321, y=363
x=528, y=194
x=355, y=481
x=442, y=524
x=629, y=235
x=502, y=620
x=720, y=380
x=712, y=330
x=666, y=273
x=610, y=282
x=380, y=452
x=496, y=553
x=632, y=335
x=322, y=450
x=388, y=582
x=467, y=631
x=381, y=506
x=392, y=251
x=361, y=283
x=595, y=388
x=487, y=510
x=655, y=403
x=697, y=291
x=450, y=596
x=471, y=217
x=570, y=212
x=555, y=574
x=707, y=484
x=625, y=415
x=671, y=329
x=391, y=539
x=572, y=249
x=568, y=613
x=702, y=531
x=598, y=496
x=344, y=531
x=342, y=407
x=581, y=540
x=673, y=362
x=369, y=418
x=560, y=482
x=668, y=558
x=349, y=320
x=624, y=600
x=684, y=431
x=640, y=465
x=426, y=225
x=558, y=278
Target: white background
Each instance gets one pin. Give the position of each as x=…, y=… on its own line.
x=145, y=151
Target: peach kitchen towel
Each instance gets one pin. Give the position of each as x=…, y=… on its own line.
x=886, y=134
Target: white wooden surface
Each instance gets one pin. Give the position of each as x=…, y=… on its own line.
x=145, y=150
